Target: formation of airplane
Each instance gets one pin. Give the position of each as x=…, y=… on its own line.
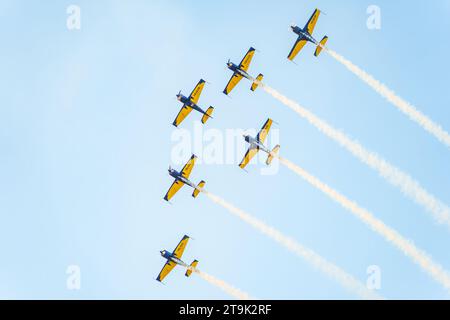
x=256, y=143
x=182, y=178
x=190, y=103
x=305, y=36
x=174, y=259
x=241, y=71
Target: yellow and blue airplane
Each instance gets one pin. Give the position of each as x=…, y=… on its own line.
x=174, y=259
x=190, y=103
x=182, y=178
x=305, y=36
x=241, y=71
x=257, y=143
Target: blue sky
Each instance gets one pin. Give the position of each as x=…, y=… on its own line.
x=85, y=134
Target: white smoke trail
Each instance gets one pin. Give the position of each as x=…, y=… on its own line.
x=343, y=278
x=436, y=271
x=231, y=290
x=397, y=101
x=393, y=175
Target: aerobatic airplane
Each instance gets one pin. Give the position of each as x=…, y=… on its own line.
x=182, y=178
x=305, y=36
x=257, y=144
x=241, y=71
x=174, y=258
x=190, y=103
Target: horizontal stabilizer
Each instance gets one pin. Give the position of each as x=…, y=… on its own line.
x=255, y=84
x=191, y=268
x=321, y=45
x=273, y=154
x=198, y=189
x=207, y=115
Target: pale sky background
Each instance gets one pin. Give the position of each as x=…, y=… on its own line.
x=85, y=136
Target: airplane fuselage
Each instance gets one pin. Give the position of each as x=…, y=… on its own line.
x=303, y=32
x=169, y=256
x=179, y=177
x=185, y=100
x=256, y=144
x=239, y=71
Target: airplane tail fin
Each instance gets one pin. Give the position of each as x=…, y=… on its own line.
x=320, y=46
x=191, y=267
x=207, y=115
x=272, y=154
x=198, y=189
x=256, y=83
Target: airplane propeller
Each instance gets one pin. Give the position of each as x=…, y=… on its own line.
x=292, y=25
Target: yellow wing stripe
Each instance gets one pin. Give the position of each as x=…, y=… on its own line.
x=174, y=188
x=245, y=63
x=187, y=169
x=178, y=252
x=296, y=48
x=166, y=270
x=312, y=21
x=262, y=135
x=184, y=112
x=195, y=95
x=248, y=157
x=232, y=83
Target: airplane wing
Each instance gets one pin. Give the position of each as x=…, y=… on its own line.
x=235, y=79
x=245, y=63
x=184, y=112
x=174, y=188
x=299, y=44
x=195, y=95
x=262, y=135
x=178, y=252
x=187, y=169
x=311, y=24
x=248, y=157
x=166, y=270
